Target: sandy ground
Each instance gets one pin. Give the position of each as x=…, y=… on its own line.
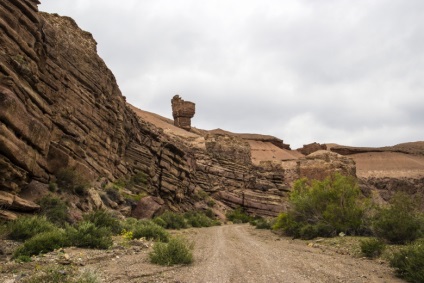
x=240, y=253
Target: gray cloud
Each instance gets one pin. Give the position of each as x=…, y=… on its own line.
x=328, y=71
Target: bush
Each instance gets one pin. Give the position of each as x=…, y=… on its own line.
x=324, y=208
x=72, y=181
x=409, y=262
x=401, y=222
x=199, y=219
x=261, y=223
x=159, y=221
x=61, y=274
x=88, y=235
x=238, y=215
x=372, y=248
x=42, y=243
x=177, y=251
x=150, y=231
x=24, y=228
x=173, y=220
x=55, y=210
x=103, y=218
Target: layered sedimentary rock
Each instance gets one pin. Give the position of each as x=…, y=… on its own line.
x=182, y=111
x=60, y=108
x=383, y=171
x=312, y=147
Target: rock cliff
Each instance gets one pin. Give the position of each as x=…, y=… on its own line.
x=60, y=108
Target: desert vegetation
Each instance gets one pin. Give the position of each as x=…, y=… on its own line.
x=50, y=231
x=335, y=206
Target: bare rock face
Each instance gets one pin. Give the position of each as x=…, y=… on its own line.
x=60, y=108
x=182, y=111
x=322, y=163
x=228, y=147
x=16, y=204
x=312, y=147
x=148, y=207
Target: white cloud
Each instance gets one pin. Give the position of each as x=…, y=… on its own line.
x=327, y=71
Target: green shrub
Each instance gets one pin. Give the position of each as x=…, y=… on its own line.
x=400, y=222
x=55, y=210
x=177, y=251
x=324, y=208
x=372, y=248
x=151, y=231
x=409, y=262
x=61, y=274
x=199, y=219
x=173, y=220
x=72, y=181
x=159, y=221
x=26, y=227
x=88, y=235
x=42, y=243
x=104, y=218
x=261, y=223
x=23, y=258
x=53, y=187
x=238, y=215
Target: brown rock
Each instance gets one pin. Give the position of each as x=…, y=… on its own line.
x=7, y=215
x=323, y=163
x=95, y=198
x=148, y=207
x=13, y=202
x=20, y=204
x=229, y=148
x=6, y=199
x=182, y=111
x=312, y=147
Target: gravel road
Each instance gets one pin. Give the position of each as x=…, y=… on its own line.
x=240, y=253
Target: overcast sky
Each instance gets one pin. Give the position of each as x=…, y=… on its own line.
x=343, y=71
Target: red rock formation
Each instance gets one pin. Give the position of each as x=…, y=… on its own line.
x=182, y=111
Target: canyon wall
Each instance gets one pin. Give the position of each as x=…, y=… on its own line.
x=61, y=110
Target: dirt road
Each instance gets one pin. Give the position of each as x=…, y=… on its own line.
x=240, y=253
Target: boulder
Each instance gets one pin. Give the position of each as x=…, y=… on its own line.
x=148, y=207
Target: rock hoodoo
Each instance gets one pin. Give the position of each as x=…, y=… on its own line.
x=182, y=111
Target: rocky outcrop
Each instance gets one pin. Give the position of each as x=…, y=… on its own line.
x=260, y=190
x=182, y=111
x=223, y=147
x=11, y=204
x=412, y=148
x=322, y=163
x=312, y=147
x=254, y=137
